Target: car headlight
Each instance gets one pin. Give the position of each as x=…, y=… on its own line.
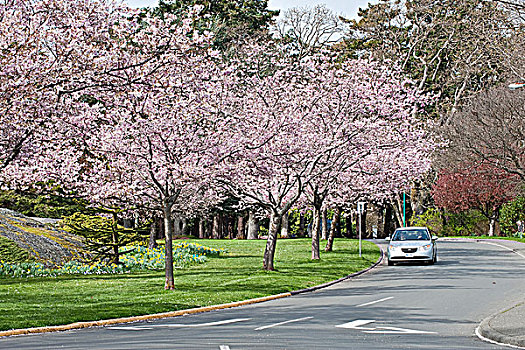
x=426, y=247
x=392, y=247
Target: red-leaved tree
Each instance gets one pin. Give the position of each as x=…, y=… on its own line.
x=480, y=186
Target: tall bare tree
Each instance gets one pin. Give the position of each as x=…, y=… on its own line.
x=309, y=29
x=450, y=47
x=491, y=129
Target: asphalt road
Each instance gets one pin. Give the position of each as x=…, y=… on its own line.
x=392, y=307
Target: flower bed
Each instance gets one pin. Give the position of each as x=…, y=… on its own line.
x=138, y=257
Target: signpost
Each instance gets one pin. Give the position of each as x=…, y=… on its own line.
x=360, y=211
x=404, y=210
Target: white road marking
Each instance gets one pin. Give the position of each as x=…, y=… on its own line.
x=383, y=330
x=281, y=323
x=502, y=246
x=217, y=323
x=130, y=328
x=375, y=302
x=357, y=325
x=396, y=330
x=224, y=347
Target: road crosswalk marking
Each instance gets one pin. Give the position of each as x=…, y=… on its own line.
x=375, y=302
x=124, y=328
x=208, y=324
x=281, y=323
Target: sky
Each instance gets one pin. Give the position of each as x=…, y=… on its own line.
x=347, y=8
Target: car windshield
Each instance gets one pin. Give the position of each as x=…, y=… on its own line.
x=411, y=235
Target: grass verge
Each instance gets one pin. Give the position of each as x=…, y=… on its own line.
x=234, y=276
x=516, y=239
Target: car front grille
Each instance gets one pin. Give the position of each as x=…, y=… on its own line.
x=409, y=250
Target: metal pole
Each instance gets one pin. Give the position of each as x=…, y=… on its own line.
x=359, y=234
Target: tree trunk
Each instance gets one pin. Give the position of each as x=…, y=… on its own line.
x=114, y=239
x=215, y=231
x=185, y=226
x=493, y=221
x=230, y=227
x=240, y=227
x=253, y=226
x=177, y=225
x=301, y=232
x=389, y=223
x=333, y=229
x=284, y=226
x=380, y=221
x=209, y=228
x=128, y=223
x=223, y=224
x=416, y=198
x=349, y=229
x=271, y=242
x=324, y=225
x=202, y=228
x=398, y=209
x=315, y=234
x=168, y=233
x=492, y=226
x=152, y=242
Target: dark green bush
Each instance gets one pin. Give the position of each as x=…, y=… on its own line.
x=33, y=204
x=467, y=223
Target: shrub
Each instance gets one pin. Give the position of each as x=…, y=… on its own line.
x=510, y=213
x=33, y=204
x=466, y=223
x=431, y=219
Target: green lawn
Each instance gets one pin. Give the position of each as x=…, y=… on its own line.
x=236, y=275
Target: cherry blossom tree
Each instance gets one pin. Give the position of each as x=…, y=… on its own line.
x=131, y=125
x=50, y=49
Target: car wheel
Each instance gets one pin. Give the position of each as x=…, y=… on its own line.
x=431, y=262
x=390, y=262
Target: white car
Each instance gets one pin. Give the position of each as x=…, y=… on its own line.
x=412, y=244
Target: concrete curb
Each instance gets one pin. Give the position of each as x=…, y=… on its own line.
x=87, y=324
x=487, y=333
x=131, y=319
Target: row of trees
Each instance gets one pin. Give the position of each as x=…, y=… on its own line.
x=140, y=111
x=174, y=111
